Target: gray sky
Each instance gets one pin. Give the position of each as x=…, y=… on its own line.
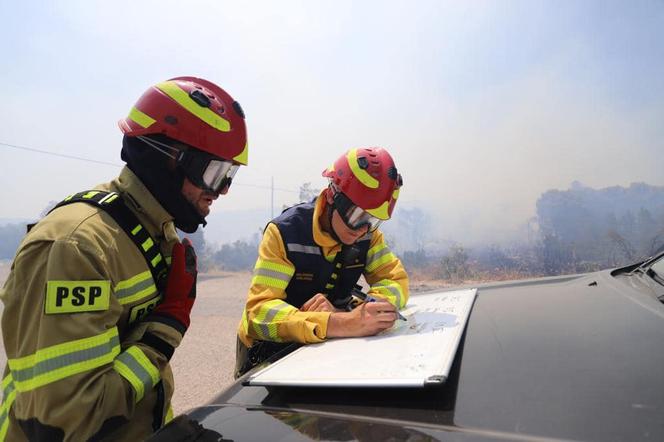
x=483, y=105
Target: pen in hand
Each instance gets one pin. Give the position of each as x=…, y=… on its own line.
x=370, y=298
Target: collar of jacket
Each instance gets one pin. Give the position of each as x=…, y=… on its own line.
x=321, y=237
x=150, y=213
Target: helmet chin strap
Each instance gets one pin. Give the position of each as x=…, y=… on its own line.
x=161, y=147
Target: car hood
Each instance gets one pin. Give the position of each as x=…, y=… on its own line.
x=234, y=423
x=578, y=357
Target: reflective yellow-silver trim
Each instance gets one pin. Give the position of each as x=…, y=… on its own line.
x=378, y=256
x=272, y=274
x=269, y=314
x=60, y=361
x=136, y=288
x=136, y=368
x=8, y=396
x=391, y=291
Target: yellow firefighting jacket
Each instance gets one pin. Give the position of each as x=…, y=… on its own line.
x=266, y=310
x=78, y=366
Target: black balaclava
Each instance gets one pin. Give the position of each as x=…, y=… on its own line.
x=330, y=212
x=165, y=184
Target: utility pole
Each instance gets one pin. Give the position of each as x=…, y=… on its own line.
x=272, y=199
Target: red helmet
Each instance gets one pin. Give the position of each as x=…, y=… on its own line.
x=193, y=111
x=369, y=178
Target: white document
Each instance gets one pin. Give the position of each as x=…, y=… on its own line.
x=412, y=353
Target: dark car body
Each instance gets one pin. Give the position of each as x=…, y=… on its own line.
x=564, y=358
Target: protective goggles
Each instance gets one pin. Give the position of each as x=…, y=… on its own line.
x=204, y=170
x=353, y=216
x=207, y=171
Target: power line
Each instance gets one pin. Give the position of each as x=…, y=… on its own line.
x=73, y=157
x=281, y=189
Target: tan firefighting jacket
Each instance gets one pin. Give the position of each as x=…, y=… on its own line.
x=71, y=326
x=384, y=273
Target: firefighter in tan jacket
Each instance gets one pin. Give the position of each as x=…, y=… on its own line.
x=311, y=257
x=101, y=289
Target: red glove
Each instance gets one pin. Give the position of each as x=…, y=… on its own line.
x=180, y=292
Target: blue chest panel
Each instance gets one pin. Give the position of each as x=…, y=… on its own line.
x=312, y=270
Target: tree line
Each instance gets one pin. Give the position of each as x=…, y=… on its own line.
x=576, y=230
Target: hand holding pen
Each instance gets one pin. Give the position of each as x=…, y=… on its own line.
x=370, y=298
x=358, y=297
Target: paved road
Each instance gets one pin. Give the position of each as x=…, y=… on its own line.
x=203, y=364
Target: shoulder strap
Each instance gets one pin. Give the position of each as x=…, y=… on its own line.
x=346, y=255
x=114, y=205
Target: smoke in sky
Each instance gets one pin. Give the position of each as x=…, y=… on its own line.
x=484, y=105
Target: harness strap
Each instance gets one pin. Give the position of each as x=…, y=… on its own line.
x=114, y=205
x=346, y=256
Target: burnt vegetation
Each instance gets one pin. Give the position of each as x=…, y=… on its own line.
x=575, y=231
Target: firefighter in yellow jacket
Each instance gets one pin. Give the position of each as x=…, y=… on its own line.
x=311, y=257
x=101, y=289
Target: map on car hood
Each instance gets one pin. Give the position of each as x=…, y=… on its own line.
x=413, y=353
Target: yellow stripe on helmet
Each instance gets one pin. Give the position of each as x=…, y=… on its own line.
x=243, y=158
x=174, y=91
x=140, y=118
x=360, y=173
x=381, y=212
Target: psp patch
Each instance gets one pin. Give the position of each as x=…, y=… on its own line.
x=142, y=310
x=77, y=296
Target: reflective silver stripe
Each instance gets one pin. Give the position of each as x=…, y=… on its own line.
x=312, y=250
x=269, y=313
x=134, y=289
x=66, y=360
x=134, y=366
x=378, y=255
x=7, y=389
x=110, y=195
x=393, y=288
x=265, y=325
x=123, y=293
x=272, y=274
